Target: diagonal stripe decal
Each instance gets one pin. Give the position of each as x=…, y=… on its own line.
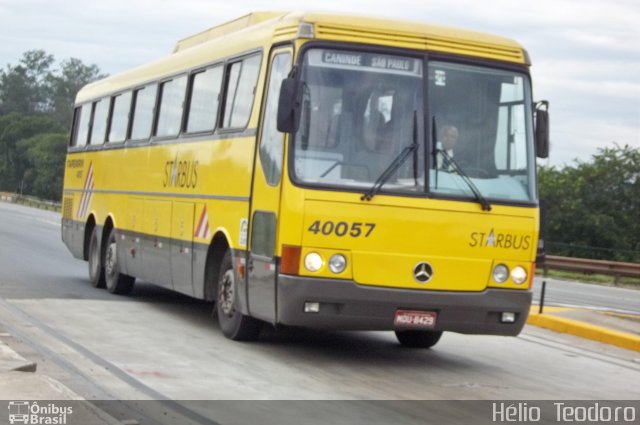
x=202, y=231
x=87, y=193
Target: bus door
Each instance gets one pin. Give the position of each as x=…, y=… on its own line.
x=265, y=203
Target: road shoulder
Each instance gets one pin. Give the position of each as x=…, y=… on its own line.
x=619, y=330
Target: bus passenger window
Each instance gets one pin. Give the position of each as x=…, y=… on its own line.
x=171, y=105
x=203, y=105
x=241, y=84
x=120, y=117
x=81, y=129
x=99, y=129
x=145, y=100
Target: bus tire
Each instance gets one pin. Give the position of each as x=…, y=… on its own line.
x=234, y=325
x=418, y=339
x=96, y=270
x=116, y=282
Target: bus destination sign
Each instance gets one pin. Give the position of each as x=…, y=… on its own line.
x=344, y=59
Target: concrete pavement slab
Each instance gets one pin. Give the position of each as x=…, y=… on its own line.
x=33, y=386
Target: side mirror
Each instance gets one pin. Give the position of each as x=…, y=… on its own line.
x=289, y=105
x=542, y=129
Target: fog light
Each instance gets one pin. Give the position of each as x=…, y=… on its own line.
x=508, y=317
x=313, y=262
x=311, y=307
x=500, y=273
x=519, y=275
x=337, y=263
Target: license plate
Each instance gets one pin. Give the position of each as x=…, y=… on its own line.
x=415, y=319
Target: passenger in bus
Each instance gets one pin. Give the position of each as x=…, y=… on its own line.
x=375, y=127
x=447, y=141
x=376, y=149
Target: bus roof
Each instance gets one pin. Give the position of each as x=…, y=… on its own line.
x=226, y=28
x=263, y=28
x=369, y=30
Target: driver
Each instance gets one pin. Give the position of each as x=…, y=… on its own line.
x=447, y=141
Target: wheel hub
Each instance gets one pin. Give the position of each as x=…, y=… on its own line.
x=226, y=293
x=110, y=260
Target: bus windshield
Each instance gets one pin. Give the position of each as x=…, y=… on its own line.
x=359, y=114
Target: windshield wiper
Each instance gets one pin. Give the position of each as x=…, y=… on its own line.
x=486, y=206
x=395, y=164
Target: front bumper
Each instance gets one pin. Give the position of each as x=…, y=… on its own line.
x=346, y=305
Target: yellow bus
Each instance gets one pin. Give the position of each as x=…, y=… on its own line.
x=317, y=170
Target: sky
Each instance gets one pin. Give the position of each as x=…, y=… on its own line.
x=585, y=53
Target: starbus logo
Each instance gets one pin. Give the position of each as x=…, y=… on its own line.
x=495, y=239
x=180, y=173
x=32, y=413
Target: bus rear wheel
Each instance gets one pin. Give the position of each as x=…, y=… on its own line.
x=418, y=339
x=96, y=270
x=234, y=324
x=116, y=281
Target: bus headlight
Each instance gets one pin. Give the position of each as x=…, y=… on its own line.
x=500, y=273
x=519, y=275
x=337, y=263
x=313, y=262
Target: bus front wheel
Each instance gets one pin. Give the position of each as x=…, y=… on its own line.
x=418, y=339
x=116, y=281
x=234, y=324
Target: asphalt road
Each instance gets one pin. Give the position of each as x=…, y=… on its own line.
x=576, y=294
x=155, y=344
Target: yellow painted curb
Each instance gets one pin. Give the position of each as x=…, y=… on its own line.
x=585, y=330
x=549, y=309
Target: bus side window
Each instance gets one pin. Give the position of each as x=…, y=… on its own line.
x=99, y=127
x=73, y=138
x=242, y=77
x=144, y=104
x=171, y=105
x=81, y=125
x=120, y=117
x=204, y=99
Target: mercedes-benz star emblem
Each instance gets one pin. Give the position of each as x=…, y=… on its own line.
x=422, y=272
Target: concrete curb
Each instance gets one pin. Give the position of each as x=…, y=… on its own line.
x=19, y=380
x=10, y=361
x=585, y=330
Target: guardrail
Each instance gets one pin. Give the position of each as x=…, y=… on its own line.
x=583, y=265
x=8, y=197
x=29, y=201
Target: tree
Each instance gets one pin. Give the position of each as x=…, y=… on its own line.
x=32, y=87
x=13, y=129
x=63, y=86
x=36, y=108
x=23, y=88
x=44, y=174
x=594, y=204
